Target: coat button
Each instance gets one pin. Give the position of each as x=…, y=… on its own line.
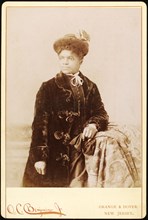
x=58, y=135
x=69, y=119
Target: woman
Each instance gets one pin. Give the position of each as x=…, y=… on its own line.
x=68, y=113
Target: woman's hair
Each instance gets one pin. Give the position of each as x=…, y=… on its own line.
x=78, y=45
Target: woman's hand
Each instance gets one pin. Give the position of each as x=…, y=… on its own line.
x=40, y=167
x=89, y=131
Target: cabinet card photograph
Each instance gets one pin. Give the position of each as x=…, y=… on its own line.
x=73, y=110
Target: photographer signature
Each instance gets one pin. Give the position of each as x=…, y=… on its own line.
x=27, y=208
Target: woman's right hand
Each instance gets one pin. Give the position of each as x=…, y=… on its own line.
x=40, y=167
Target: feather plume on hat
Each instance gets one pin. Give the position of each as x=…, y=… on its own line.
x=83, y=35
x=76, y=43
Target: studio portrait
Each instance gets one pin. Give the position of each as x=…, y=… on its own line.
x=73, y=97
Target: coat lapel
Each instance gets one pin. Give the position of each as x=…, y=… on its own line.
x=62, y=82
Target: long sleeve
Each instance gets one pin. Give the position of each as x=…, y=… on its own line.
x=39, y=144
x=98, y=114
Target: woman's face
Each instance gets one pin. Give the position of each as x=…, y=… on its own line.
x=69, y=62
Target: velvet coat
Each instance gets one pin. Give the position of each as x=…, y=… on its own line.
x=61, y=114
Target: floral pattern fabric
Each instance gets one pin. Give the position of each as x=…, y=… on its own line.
x=116, y=160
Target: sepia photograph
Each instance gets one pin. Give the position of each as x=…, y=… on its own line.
x=73, y=97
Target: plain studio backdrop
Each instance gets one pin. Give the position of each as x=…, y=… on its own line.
x=113, y=63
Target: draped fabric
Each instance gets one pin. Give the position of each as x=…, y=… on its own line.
x=113, y=157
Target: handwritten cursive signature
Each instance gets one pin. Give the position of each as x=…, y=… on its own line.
x=27, y=208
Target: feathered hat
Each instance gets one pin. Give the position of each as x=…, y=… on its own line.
x=76, y=43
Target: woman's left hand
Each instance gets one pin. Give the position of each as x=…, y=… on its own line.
x=89, y=131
